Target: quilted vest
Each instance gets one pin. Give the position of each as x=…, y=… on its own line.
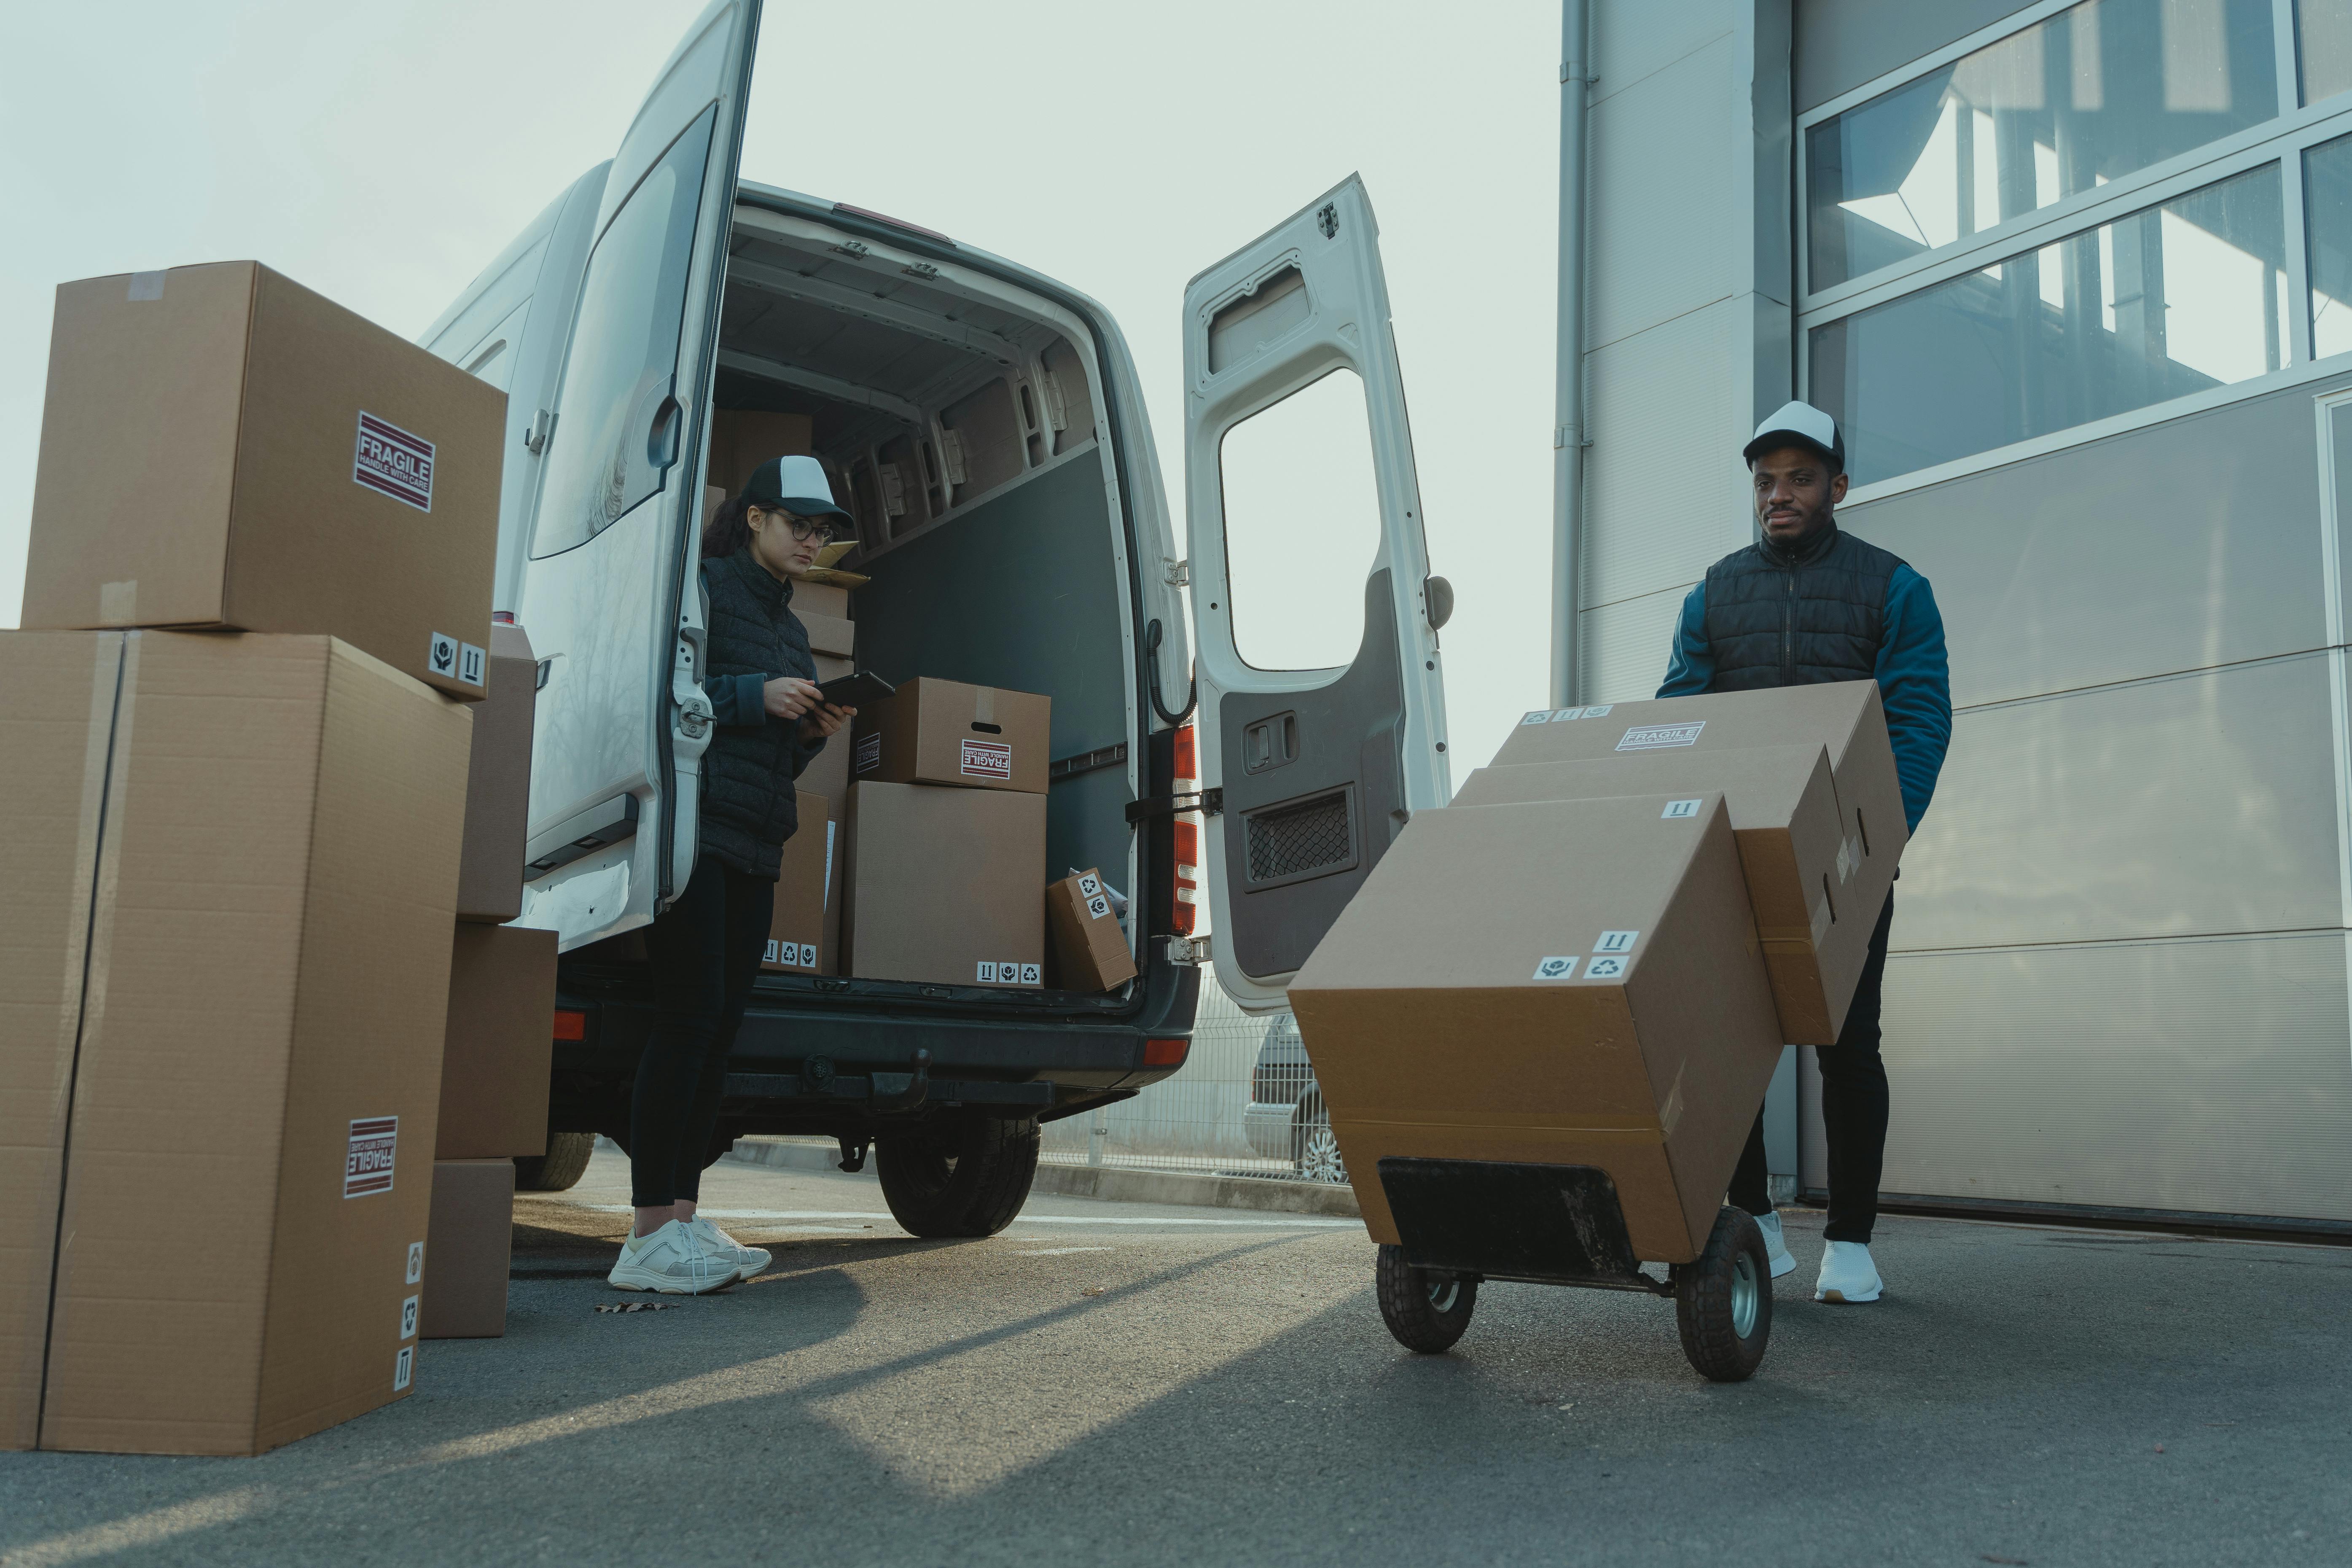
x=1798, y=618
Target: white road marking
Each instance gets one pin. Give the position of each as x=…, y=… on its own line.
x=1302, y=1222
x=1060, y=1251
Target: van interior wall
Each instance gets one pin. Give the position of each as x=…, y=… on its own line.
x=1023, y=592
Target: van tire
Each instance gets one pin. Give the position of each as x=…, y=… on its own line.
x=968, y=1175
x=565, y=1162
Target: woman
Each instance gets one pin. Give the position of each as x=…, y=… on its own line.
x=706, y=947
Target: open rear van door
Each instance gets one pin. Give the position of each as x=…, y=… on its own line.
x=1322, y=712
x=608, y=597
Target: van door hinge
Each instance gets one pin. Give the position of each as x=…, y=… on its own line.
x=542, y=425
x=1207, y=802
x=1190, y=951
x=1179, y=574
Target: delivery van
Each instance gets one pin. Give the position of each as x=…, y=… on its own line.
x=988, y=425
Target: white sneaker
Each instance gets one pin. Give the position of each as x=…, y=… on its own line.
x=1847, y=1274
x=671, y=1261
x=1776, y=1246
x=746, y=1261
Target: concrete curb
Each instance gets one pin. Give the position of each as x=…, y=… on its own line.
x=1118, y=1183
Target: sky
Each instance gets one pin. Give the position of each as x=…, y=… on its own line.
x=384, y=154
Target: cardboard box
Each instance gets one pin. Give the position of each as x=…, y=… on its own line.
x=820, y=598
x=743, y=438
x=941, y=885
x=222, y=448
x=827, y=633
x=1565, y=982
x=1090, y=952
x=713, y=498
x=499, y=1049
x=796, y=932
x=245, y=1006
x=497, y=783
x=945, y=732
x=1784, y=816
x=469, y=1250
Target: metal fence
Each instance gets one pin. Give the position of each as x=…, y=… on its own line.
x=1191, y=1121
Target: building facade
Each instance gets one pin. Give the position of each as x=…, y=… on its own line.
x=2076, y=280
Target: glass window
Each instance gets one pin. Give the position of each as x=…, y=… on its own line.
x=2327, y=231
x=2324, y=29
x=2185, y=296
x=2098, y=91
x=1302, y=526
x=608, y=452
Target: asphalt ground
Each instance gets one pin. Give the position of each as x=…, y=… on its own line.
x=1121, y=1382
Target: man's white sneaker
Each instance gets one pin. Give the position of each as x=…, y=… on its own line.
x=1847, y=1274
x=672, y=1261
x=1776, y=1246
x=746, y=1261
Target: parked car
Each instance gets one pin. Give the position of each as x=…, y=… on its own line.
x=990, y=427
x=1285, y=1119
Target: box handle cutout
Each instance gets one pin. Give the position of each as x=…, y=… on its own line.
x=1863, y=828
x=1829, y=898
x=988, y=729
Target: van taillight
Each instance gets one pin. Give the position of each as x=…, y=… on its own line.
x=1165, y=1053
x=570, y=1025
x=1185, y=912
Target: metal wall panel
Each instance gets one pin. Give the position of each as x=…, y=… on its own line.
x=1665, y=493
x=2211, y=1076
x=2189, y=805
x=1668, y=132
x=1841, y=44
x=1626, y=645
x=2183, y=545
x=1633, y=39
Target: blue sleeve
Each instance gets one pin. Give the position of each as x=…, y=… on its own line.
x=1692, y=669
x=738, y=701
x=1914, y=683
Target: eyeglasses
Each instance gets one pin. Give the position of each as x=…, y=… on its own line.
x=801, y=527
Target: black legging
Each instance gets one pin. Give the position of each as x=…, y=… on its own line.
x=1853, y=1111
x=706, y=952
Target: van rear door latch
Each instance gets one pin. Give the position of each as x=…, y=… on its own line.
x=1207, y=802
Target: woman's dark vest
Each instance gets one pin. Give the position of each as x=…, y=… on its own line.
x=1798, y=618
x=748, y=805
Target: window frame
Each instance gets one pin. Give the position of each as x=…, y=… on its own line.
x=2282, y=141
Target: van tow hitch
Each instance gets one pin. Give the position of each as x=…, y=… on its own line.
x=917, y=1089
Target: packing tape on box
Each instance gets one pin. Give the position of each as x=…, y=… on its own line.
x=104, y=690
x=145, y=286
x=109, y=759
x=984, y=705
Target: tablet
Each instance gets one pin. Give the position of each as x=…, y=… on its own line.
x=855, y=691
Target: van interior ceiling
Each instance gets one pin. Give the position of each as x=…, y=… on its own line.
x=963, y=434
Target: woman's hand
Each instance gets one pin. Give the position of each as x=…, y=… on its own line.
x=826, y=722
x=790, y=697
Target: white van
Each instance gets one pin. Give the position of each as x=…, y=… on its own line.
x=1012, y=521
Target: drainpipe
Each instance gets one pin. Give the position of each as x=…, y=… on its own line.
x=1568, y=438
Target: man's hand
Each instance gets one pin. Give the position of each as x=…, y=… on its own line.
x=790, y=697
x=826, y=722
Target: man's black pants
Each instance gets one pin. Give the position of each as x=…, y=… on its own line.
x=1853, y=1111
x=705, y=952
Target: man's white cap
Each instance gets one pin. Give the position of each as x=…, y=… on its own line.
x=1799, y=422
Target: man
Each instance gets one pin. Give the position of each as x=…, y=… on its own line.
x=1809, y=603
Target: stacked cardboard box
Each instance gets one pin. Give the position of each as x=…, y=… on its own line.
x=796, y=932
x=1594, y=957
x=224, y=976
x=946, y=836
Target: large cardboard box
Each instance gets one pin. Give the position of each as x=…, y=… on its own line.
x=834, y=635
x=796, y=930
x=1090, y=952
x=231, y=986
x=469, y=1250
x=1564, y=983
x=941, y=885
x=497, y=783
x=499, y=1049
x=1784, y=816
x=743, y=438
x=222, y=448
x=821, y=599
x=945, y=732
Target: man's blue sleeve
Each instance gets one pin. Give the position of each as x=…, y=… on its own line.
x=1692, y=669
x=1914, y=683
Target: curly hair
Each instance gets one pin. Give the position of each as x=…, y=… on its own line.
x=728, y=529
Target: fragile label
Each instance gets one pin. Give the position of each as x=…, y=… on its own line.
x=1605, y=969
x=367, y=1168
x=402, y=1365
x=1680, y=808
x=408, y=1318
x=988, y=760
x=869, y=757
x=390, y=461
x=1555, y=969
x=1654, y=737
x=1616, y=942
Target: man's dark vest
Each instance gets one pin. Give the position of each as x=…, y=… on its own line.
x=747, y=804
x=1799, y=617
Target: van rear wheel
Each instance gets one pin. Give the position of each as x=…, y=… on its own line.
x=966, y=1176
x=565, y=1162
